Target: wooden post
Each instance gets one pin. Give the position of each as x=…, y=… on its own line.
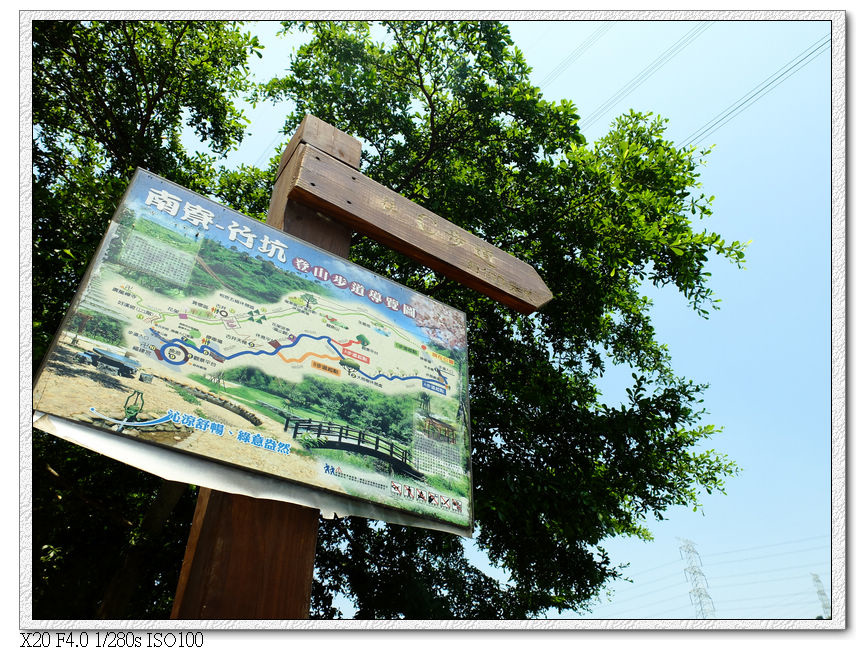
x=247, y=559
x=253, y=558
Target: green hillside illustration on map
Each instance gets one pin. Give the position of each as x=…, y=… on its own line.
x=212, y=334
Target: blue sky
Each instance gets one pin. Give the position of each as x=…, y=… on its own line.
x=766, y=353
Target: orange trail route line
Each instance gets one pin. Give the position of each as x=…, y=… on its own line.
x=306, y=356
x=318, y=356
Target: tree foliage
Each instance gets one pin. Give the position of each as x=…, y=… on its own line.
x=448, y=118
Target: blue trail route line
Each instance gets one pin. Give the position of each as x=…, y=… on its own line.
x=175, y=342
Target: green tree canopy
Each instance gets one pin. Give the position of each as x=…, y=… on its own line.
x=448, y=118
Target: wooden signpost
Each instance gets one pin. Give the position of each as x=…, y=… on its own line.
x=253, y=558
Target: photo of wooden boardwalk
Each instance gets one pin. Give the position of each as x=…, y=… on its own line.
x=337, y=436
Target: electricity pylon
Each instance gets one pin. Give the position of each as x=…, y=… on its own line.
x=700, y=598
x=821, y=594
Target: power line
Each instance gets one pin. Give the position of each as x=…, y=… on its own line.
x=774, y=596
x=636, y=591
x=800, y=599
x=270, y=151
x=761, y=557
x=768, y=84
x=647, y=72
x=789, y=600
x=754, y=548
x=640, y=596
x=650, y=598
x=666, y=600
x=809, y=565
x=731, y=612
x=654, y=568
x=641, y=584
x=796, y=609
x=762, y=581
x=565, y=63
x=738, y=550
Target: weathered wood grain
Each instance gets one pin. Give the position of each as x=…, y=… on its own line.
x=368, y=207
x=247, y=559
x=305, y=223
x=324, y=137
x=300, y=220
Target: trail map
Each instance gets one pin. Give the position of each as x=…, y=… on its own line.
x=202, y=330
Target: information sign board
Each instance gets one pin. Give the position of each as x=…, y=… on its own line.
x=213, y=334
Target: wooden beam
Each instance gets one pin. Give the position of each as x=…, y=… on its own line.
x=344, y=194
